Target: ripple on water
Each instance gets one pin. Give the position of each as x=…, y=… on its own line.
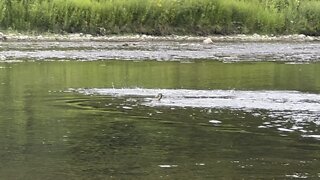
x=298, y=175
x=286, y=111
x=297, y=52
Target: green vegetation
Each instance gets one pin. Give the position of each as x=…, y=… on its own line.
x=159, y=17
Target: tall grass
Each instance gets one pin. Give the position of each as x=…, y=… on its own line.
x=159, y=17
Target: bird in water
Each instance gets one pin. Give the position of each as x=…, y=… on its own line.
x=159, y=96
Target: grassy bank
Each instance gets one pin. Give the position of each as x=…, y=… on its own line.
x=160, y=17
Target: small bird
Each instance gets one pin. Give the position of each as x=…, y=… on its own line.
x=159, y=96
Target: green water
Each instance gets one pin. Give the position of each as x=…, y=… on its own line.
x=48, y=132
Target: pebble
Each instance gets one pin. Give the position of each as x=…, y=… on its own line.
x=207, y=41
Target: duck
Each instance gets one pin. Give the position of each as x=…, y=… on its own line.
x=159, y=96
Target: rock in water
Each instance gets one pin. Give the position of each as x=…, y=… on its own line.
x=2, y=37
x=2, y=58
x=207, y=41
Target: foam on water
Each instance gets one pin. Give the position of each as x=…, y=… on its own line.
x=167, y=166
x=289, y=111
x=268, y=100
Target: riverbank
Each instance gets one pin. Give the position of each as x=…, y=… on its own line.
x=162, y=17
x=132, y=38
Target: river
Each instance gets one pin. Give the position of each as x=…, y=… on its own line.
x=87, y=110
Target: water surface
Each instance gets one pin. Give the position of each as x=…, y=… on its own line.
x=161, y=51
x=74, y=120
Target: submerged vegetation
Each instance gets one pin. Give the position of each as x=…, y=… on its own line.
x=160, y=17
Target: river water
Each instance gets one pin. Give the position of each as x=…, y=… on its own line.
x=77, y=110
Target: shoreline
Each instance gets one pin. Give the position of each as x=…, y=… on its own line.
x=12, y=37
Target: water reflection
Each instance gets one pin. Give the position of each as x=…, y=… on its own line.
x=48, y=132
x=175, y=142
